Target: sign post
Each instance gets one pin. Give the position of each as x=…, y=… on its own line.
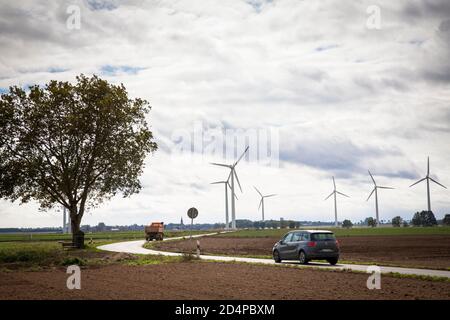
x=192, y=213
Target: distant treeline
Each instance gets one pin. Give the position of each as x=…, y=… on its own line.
x=102, y=227
x=241, y=223
x=28, y=230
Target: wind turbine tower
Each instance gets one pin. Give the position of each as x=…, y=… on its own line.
x=375, y=190
x=335, y=193
x=428, y=178
x=261, y=203
x=233, y=175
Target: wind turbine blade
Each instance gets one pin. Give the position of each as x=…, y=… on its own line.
x=270, y=195
x=385, y=187
x=334, y=184
x=372, y=178
x=217, y=182
x=246, y=149
x=237, y=179
x=330, y=195
x=342, y=194
x=258, y=191
x=417, y=182
x=370, y=194
x=220, y=164
x=438, y=183
x=260, y=203
x=428, y=167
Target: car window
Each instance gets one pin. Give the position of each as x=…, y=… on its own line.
x=305, y=236
x=288, y=237
x=322, y=236
x=296, y=237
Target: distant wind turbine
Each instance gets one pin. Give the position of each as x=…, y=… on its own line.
x=233, y=175
x=335, y=192
x=375, y=189
x=428, y=178
x=261, y=203
x=227, y=184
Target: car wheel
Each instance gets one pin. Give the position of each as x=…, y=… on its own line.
x=302, y=257
x=332, y=261
x=276, y=256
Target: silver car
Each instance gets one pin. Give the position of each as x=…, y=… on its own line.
x=306, y=245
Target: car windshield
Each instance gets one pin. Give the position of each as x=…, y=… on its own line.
x=322, y=236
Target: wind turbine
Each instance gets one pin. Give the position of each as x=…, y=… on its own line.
x=227, y=184
x=233, y=175
x=428, y=178
x=335, y=192
x=375, y=189
x=261, y=203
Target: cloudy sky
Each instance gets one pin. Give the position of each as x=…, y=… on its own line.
x=339, y=87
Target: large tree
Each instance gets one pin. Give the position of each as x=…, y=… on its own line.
x=74, y=145
x=424, y=218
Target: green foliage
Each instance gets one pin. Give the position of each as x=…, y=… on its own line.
x=188, y=257
x=424, y=219
x=371, y=222
x=72, y=144
x=73, y=260
x=109, y=235
x=396, y=221
x=446, y=220
x=347, y=223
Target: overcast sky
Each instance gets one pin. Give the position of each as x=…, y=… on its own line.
x=337, y=90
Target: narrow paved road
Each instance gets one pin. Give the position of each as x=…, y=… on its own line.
x=137, y=248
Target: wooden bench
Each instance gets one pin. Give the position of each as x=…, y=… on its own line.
x=67, y=244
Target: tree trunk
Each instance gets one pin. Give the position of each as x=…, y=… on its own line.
x=75, y=221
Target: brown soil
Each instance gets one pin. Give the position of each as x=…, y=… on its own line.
x=205, y=280
x=411, y=251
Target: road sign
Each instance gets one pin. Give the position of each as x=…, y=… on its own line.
x=192, y=213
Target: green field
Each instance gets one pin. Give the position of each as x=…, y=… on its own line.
x=19, y=251
x=112, y=235
x=340, y=232
x=45, y=251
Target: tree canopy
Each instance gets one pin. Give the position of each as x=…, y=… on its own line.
x=371, y=222
x=397, y=221
x=72, y=144
x=424, y=218
x=347, y=223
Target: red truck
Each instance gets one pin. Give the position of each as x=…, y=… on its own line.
x=154, y=231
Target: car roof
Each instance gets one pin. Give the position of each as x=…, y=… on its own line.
x=313, y=231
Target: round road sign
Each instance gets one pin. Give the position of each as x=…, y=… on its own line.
x=192, y=213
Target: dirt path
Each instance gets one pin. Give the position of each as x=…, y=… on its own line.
x=205, y=280
x=408, y=251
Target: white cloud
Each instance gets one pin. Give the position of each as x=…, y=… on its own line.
x=345, y=98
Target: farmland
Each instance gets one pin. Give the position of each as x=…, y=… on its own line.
x=109, y=275
x=411, y=247
x=44, y=251
x=177, y=280
x=111, y=235
x=340, y=232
